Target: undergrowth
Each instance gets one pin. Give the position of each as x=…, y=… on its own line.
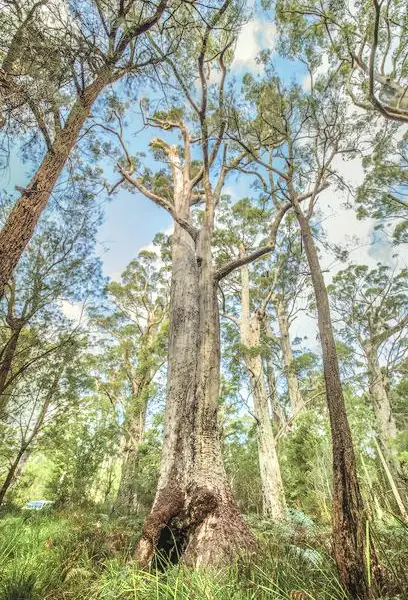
x=72, y=556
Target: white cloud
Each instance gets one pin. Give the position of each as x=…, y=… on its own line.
x=321, y=70
x=254, y=37
x=74, y=311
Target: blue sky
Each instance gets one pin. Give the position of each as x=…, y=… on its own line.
x=131, y=221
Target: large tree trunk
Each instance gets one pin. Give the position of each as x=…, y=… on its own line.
x=194, y=515
x=272, y=486
x=294, y=393
x=349, y=516
x=126, y=500
x=23, y=218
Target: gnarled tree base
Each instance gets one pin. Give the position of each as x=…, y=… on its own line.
x=199, y=528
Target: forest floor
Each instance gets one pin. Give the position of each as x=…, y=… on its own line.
x=88, y=556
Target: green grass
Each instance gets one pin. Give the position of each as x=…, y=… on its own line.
x=72, y=556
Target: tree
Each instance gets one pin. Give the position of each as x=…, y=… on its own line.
x=242, y=223
x=49, y=395
x=59, y=266
x=194, y=515
x=104, y=44
x=307, y=171
x=286, y=299
x=365, y=44
x=138, y=326
x=372, y=306
x=80, y=440
x=383, y=194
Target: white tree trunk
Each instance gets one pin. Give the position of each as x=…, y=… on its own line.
x=378, y=392
x=295, y=396
x=272, y=486
x=126, y=500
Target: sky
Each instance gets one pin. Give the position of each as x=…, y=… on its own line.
x=131, y=221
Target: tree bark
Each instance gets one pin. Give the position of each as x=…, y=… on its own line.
x=6, y=358
x=194, y=515
x=250, y=328
x=23, y=218
x=294, y=393
x=126, y=500
x=386, y=425
x=378, y=392
x=11, y=474
x=349, y=515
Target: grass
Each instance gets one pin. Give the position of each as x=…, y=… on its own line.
x=74, y=556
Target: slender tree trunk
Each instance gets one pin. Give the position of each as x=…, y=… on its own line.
x=23, y=218
x=6, y=358
x=386, y=426
x=381, y=402
x=294, y=393
x=11, y=474
x=275, y=410
x=272, y=486
x=391, y=481
x=126, y=500
x=349, y=516
x=26, y=442
x=194, y=515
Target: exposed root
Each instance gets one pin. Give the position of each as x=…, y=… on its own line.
x=206, y=529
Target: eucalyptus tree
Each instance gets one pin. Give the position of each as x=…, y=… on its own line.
x=135, y=326
x=365, y=44
x=38, y=399
x=289, y=298
x=194, y=515
x=58, y=268
x=384, y=191
x=59, y=58
x=78, y=440
x=296, y=137
x=242, y=224
x=372, y=307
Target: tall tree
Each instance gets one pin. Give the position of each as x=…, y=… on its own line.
x=288, y=299
x=372, y=305
x=194, y=515
x=307, y=170
x=138, y=326
x=242, y=223
x=102, y=42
